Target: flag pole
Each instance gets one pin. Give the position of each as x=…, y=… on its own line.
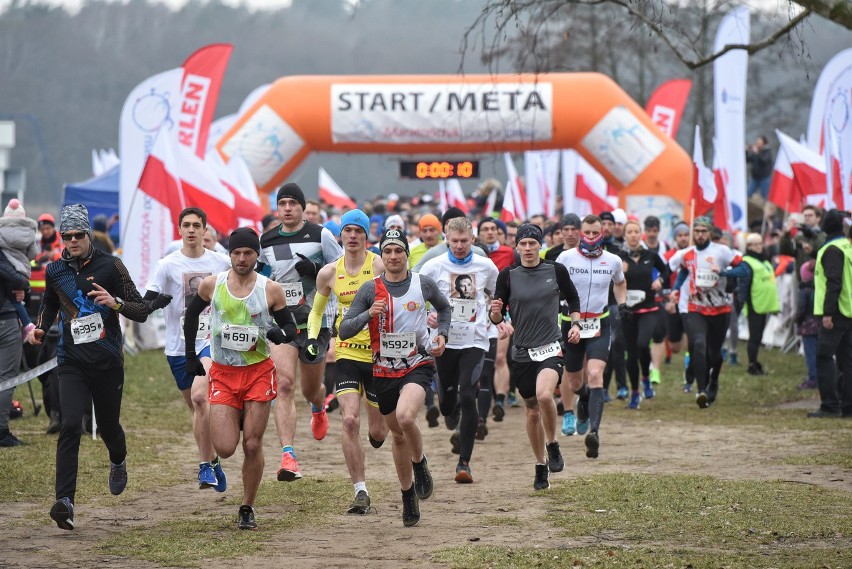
x=691, y=219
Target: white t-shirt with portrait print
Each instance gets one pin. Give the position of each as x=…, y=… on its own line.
x=179, y=275
x=470, y=289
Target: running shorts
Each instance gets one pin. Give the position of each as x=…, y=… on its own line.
x=388, y=389
x=525, y=374
x=178, y=367
x=355, y=377
x=234, y=385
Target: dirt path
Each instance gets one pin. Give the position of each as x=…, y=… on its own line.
x=454, y=516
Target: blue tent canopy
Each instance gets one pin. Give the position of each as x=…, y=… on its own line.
x=98, y=194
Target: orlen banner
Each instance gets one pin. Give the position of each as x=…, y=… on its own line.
x=436, y=114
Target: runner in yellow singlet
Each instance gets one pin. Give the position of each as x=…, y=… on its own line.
x=354, y=356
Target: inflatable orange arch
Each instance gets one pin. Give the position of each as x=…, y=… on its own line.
x=455, y=114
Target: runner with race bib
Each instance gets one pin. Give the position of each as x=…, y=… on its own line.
x=469, y=281
x=393, y=305
x=245, y=308
x=531, y=291
x=592, y=270
x=178, y=275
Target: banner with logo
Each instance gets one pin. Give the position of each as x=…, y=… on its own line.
x=837, y=133
x=202, y=78
x=146, y=226
x=729, y=85
x=836, y=65
x=665, y=107
x=541, y=169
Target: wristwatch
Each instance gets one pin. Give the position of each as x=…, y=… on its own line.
x=118, y=304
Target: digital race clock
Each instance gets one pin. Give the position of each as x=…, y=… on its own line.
x=439, y=169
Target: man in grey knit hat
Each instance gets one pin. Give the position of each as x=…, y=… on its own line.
x=86, y=287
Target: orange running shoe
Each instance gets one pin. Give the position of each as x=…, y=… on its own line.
x=319, y=425
x=289, y=470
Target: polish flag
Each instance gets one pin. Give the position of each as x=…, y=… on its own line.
x=516, y=189
x=799, y=173
x=177, y=178
x=455, y=195
x=704, y=189
x=592, y=187
x=236, y=177
x=722, y=206
x=491, y=202
x=332, y=194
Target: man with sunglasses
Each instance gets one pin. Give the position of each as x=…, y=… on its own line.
x=85, y=289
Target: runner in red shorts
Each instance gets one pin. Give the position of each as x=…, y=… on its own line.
x=246, y=308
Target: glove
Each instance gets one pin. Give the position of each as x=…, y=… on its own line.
x=161, y=301
x=312, y=349
x=624, y=313
x=277, y=336
x=194, y=366
x=306, y=267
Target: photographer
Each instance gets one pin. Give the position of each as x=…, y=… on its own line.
x=803, y=240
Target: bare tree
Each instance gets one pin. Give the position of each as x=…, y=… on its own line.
x=661, y=18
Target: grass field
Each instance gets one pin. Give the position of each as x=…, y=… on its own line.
x=620, y=519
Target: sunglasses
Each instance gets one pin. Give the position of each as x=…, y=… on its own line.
x=77, y=236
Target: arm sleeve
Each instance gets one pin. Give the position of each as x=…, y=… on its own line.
x=48, y=309
x=358, y=314
x=190, y=322
x=315, y=317
x=567, y=288
x=682, y=275
x=284, y=318
x=432, y=294
x=502, y=291
x=832, y=265
x=134, y=307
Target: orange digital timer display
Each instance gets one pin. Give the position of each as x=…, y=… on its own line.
x=439, y=169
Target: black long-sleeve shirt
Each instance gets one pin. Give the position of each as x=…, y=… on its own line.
x=68, y=282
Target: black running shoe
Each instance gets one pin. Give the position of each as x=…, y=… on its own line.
x=432, y=415
x=375, y=443
x=499, y=412
x=422, y=479
x=62, y=512
x=583, y=409
x=554, y=457
x=246, y=518
x=481, y=431
x=455, y=440
x=592, y=444
x=117, y=478
x=541, y=482
x=361, y=505
x=410, y=508
x=701, y=400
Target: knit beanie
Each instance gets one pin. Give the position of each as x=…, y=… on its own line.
x=74, y=217
x=14, y=209
x=243, y=237
x=293, y=191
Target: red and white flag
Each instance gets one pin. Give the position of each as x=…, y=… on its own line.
x=455, y=195
x=516, y=195
x=799, y=173
x=704, y=189
x=332, y=194
x=490, y=202
x=177, y=178
x=722, y=206
x=584, y=190
x=542, y=175
x=665, y=107
x=202, y=77
x=236, y=177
